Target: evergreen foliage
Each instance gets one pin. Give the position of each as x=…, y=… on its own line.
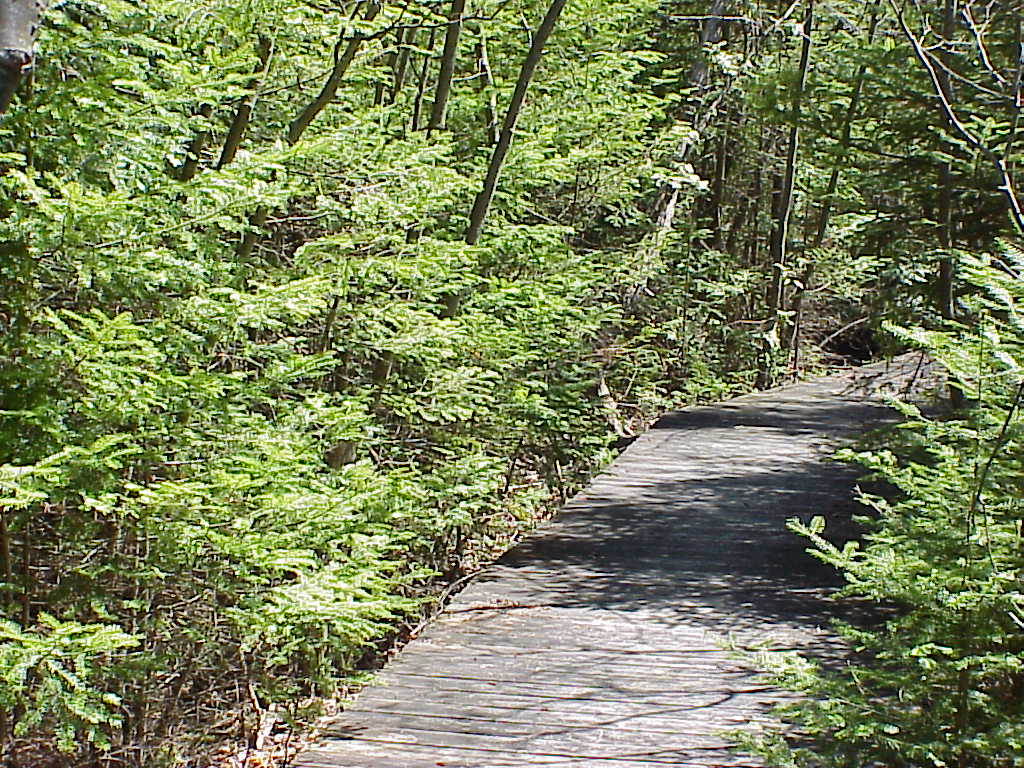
x=259, y=399
x=257, y=395
x=938, y=681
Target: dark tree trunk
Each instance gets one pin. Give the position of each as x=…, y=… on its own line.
x=947, y=269
x=483, y=200
x=443, y=89
x=668, y=193
x=825, y=212
x=766, y=376
x=342, y=61
x=190, y=167
x=402, y=63
x=421, y=82
x=240, y=122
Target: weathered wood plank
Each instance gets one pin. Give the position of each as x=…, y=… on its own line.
x=516, y=721
x=372, y=754
x=604, y=638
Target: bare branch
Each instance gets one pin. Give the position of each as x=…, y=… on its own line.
x=979, y=41
x=1007, y=185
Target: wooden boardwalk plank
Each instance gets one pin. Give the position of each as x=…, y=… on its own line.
x=604, y=638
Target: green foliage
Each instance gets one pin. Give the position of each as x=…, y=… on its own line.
x=256, y=397
x=220, y=464
x=937, y=681
x=50, y=673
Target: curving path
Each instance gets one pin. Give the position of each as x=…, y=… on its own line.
x=601, y=641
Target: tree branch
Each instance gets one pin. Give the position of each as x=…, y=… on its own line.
x=1007, y=186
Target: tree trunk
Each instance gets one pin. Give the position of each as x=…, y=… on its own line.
x=946, y=240
x=710, y=32
x=483, y=200
x=947, y=263
x=421, y=84
x=190, y=167
x=390, y=62
x=19, y=25
x=6, y=563
x=342, y=61
x=26, y=576
x=718, y=190
x=825, y=212
x=402, y=63
x=240, y=122
x=252, y=235
x=6, y=599
x=668, y=193
x=767, y=375
x=443, y=89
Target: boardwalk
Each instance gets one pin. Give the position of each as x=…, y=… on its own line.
x=601, y=641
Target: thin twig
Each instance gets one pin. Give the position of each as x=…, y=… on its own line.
x=998, y=446
x=844, y=329
x=982, y=49
x=927, y=62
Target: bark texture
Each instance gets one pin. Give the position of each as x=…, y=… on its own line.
x=19, y=25
x=778, y=244
x=243, y=114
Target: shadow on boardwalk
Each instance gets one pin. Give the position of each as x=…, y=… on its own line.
x=675, y=549
x=601, y=640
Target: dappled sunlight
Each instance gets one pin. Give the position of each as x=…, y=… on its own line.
x=616, y=634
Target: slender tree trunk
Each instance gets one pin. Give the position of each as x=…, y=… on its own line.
x=718, y=190
x=774, y=208
x=26, y=575
x=402, y=63
x=342, y=61
x=766, y=376
x=737, y=224
x=825, y=212
x=947, y=241
x=6, y=562
x=483, y=199
x=793, y=342
x=252, y=235
x=485, y=85
x=7, y=574
x=421, y=83
x=19, y=25
x=389, y=63
x=667, y=198
x=240, y=122
x=190, y=167
x=946, y=266
x=443, y=89
x=710, y=32
x=752, y=243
